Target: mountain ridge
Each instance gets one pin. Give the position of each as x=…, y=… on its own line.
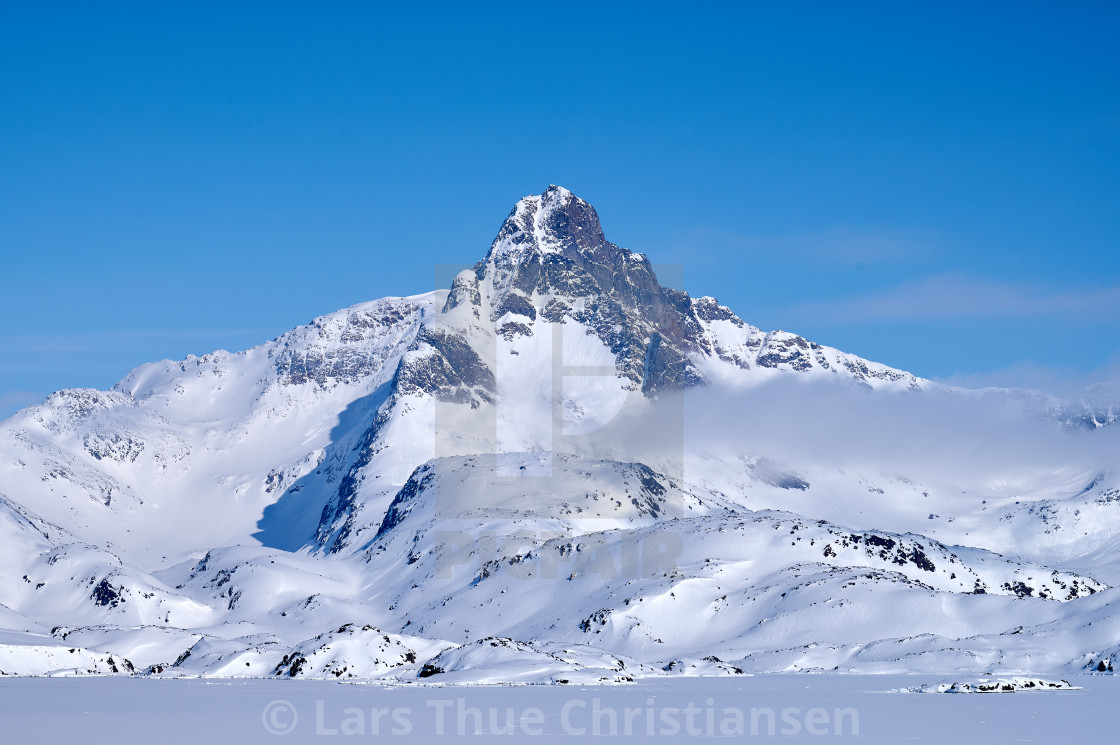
x=372, y=494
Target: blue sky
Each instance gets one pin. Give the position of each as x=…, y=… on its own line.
x=934, y=186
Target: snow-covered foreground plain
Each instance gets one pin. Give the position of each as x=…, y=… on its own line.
x=798, y=707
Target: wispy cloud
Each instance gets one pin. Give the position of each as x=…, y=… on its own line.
x=959, y=296
x=1064, y=382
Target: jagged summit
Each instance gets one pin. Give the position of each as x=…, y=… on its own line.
x=551, y=263
x=553, y=226
x=556, y=220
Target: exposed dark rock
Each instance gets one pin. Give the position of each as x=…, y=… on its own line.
x=402, y=503
x=517, y=304
x=595, y=620
x=349, y=359
x=445, y=365
x=104, y=594
x=428, y=670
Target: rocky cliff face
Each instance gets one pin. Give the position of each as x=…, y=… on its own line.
x=551, y=259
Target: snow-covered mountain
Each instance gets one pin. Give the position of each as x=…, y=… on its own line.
x=556, y=470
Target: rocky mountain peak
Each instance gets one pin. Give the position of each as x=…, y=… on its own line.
x=553, y=244
x=551, y=263
x=555, y=221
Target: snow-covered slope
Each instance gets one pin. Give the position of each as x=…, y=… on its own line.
x=557, y=470
x=148, y=465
